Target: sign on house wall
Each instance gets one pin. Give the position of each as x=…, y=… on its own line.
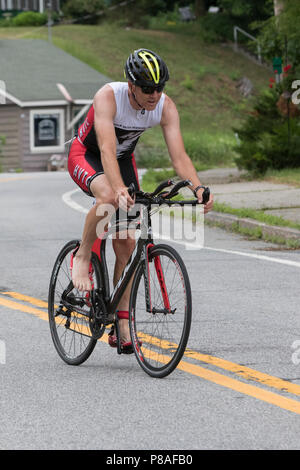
x=46, y=130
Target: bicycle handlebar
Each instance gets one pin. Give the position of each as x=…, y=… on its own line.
x=159, y=197
x=161, y=186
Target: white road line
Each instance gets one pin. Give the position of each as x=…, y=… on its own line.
x=287, y=262
x=295, y=264
x=67, y=199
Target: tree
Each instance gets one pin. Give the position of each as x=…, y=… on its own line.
x=270, y=137
x=247, y=11
x=80, y=8
x=267, y=138
x=280, y=35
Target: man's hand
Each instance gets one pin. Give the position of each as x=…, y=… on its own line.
x=209, y=205
x=122, y=198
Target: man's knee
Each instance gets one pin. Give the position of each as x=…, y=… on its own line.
x=102, y=191
x=106, y=199
x=104, y=203
x=123, y=247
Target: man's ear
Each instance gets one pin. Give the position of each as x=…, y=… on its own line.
x=131, y=86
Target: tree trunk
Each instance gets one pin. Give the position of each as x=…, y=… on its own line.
x=278, y=7
x=200, y=9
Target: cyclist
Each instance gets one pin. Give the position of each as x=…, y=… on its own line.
x=101, y=159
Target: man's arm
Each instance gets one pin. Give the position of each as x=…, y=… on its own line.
x=181, y=162
x=105, y=109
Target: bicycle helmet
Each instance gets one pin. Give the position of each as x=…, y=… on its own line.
x=146, y=68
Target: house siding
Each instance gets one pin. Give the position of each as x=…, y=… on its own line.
x=36, y=161
x=25, y=5
x=15, y=127
x=9, y=128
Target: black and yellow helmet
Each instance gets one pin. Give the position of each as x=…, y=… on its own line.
x=146, y=68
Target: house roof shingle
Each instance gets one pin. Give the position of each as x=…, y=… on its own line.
x=31, y=68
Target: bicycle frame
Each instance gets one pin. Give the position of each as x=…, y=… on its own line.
x=139, y=254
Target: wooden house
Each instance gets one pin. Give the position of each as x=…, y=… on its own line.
x=17, y=6
x=45, y=94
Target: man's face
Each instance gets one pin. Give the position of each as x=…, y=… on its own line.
x=148, y=100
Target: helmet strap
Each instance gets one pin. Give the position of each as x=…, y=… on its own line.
x=134, y=97
x=143, y=109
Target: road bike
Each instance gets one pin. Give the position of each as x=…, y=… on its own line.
x=160, y=307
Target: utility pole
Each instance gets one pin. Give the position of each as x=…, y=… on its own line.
x=49, y=7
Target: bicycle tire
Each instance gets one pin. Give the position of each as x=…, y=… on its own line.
x=167, y=345
x=59, y=331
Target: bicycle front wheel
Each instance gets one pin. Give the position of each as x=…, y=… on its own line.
x=160, y=331
x=70, y=321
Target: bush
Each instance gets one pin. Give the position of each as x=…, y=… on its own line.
x=217, y=27
x=85, y=11
x=30, y=18
x=268, y=139
x=5, y=22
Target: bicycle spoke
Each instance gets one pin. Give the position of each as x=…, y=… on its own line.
x=163, y=332
x=70, y=328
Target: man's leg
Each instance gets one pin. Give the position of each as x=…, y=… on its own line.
x=104, y=195
x=123, y=248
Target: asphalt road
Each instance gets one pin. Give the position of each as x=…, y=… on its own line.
x=240, y=389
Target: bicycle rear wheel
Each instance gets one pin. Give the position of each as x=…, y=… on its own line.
x=160, y=336
x=70, y=324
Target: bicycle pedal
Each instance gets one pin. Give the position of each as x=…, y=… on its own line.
x=127, y=351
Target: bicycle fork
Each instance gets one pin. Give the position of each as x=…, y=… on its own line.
x=161, y=280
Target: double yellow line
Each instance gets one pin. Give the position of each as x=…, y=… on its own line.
x=13, y=178
x=245, y=373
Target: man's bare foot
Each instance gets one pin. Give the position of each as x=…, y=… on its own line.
x=124, y=331
x=80, y=273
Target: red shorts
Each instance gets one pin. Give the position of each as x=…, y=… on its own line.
x=84, y=166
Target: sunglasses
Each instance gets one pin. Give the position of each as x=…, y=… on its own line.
x=148, y=90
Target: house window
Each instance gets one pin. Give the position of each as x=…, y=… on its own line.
x=47, y=133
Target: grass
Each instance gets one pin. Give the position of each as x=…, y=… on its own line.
x=258, y=234
x=286, y=176
x=258, y=215
x=153, y=178
x=202, y=83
